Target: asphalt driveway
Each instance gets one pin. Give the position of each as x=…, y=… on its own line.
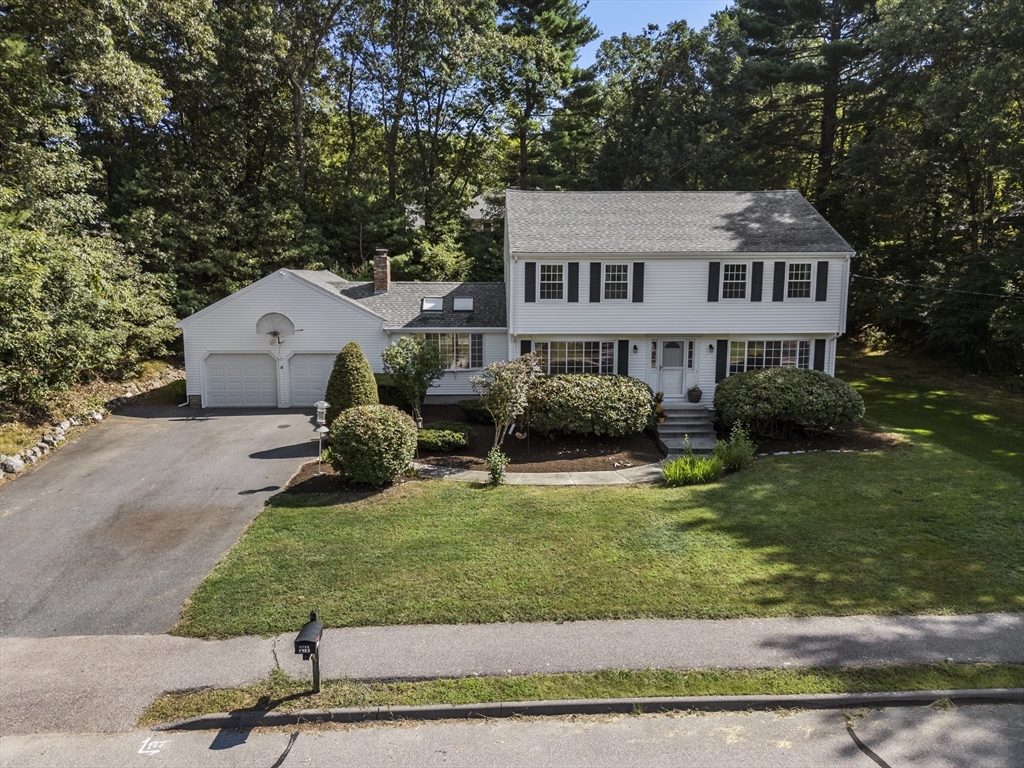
x=112, y=533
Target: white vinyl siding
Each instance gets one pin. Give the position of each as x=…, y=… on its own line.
x=675, y=302
x=494, y=347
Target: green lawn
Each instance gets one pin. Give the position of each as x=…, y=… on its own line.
x=929, y=401
x=283, y=694
x=934, y=527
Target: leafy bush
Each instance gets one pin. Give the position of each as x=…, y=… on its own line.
x=496, y=463
x=774, y=402
x=738, y=451
x=414, y=365
x=587, y=404
x=351, y=383
x=444, y=436
x=390, y=393
x=177, y=388
x=692, y=470
x=372, y=443
x=475, y=410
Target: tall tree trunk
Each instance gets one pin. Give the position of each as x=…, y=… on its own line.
x=298, y=105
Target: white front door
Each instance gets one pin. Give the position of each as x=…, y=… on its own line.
x=672, y=367
x=677, y=373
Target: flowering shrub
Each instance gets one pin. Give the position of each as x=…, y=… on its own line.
x=587, y=404
x=504, y=390
x=496, y=463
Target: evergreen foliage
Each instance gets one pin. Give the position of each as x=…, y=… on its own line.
x=588, y=404
x=351, y=384
x=372, y=444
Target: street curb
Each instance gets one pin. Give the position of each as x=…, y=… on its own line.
x=254, y=719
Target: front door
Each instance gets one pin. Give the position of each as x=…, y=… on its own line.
x=676, y=366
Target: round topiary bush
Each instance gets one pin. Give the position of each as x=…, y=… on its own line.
x=775, y=402
x=372, y=444
x=351, y=382
x=587, y=404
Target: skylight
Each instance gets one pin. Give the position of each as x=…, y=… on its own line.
x=433, y=304
x=463, y=305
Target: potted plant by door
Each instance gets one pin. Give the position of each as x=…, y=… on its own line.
x=694, y=394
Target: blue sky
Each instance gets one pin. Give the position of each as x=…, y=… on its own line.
x=614, y=17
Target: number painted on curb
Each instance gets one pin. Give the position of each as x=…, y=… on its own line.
x=150, y=747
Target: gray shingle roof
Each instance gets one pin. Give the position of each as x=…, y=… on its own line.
x=401, y=306
x=667, y=222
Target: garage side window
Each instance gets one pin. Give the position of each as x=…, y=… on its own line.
x=459, y=351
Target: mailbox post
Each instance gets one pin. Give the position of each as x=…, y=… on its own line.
x=308, y=644
x=321, y=430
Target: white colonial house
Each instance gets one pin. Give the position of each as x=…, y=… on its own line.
x=678, y=289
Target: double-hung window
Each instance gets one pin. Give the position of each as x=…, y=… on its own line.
x=459, y=351
x=551, y=281
x=576, y=356
x=734, y=281
x=616, y=282
x=752, y=355
x=798, y=284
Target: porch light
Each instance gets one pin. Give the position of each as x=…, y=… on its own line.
x=711, y=347
x=635, y=349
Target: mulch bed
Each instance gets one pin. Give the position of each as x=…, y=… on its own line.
x=576, y=454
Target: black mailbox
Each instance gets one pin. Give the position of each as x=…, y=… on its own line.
x=308, y=640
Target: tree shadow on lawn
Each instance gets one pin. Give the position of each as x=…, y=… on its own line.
x=865, y=533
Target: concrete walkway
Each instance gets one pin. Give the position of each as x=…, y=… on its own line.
x=647, y=473
x=103, y=684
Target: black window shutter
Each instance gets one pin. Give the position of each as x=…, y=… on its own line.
x=721, y=359
x=595, y=282
x=531, y=281
x=779, y=283
x=821, y=289
x=819, y=354
x=574, y=281
x=623, y=357
x=525, y=346
x=756, y=280
x=714, y=274
x=638, y=282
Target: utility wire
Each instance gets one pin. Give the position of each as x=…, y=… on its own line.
x=934, y=288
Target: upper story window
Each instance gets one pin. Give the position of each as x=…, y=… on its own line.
x=734, y=281
x=551, y=281
x=798, y=284
x=616, y=281
x=432, y=304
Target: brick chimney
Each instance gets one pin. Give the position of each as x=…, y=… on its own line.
x=381, y=271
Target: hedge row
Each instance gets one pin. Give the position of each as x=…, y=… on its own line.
x=588, y=404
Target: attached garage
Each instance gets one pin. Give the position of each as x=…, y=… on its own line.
x=240, y=381
x=308, y=375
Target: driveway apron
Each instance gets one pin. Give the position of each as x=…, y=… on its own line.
x=113, y=532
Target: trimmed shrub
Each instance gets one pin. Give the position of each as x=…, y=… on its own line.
x=475, y=411
x=444, y=436
x=737, y=452
x=775, y=402
x=351, y=383
x=692, y=470
x=372, y=444
x=588, y=404
x=389, y=393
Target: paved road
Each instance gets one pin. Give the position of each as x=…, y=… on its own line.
x=932, y=737
x=113, y=532
x=104, y=683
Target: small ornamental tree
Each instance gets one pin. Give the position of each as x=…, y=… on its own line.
x=504, y=391
x=413, y=366
x=351, y=382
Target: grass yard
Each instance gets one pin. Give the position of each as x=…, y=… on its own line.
x=934, y=527
x=283, y=694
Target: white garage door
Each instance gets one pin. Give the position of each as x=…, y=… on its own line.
x=237, y=381
x=309, y=375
